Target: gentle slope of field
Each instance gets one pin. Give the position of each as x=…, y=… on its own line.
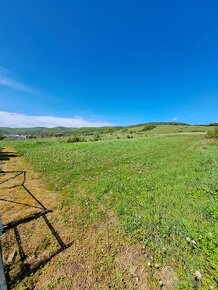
x=162, y=189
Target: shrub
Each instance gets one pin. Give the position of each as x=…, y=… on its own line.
x=148, y=127
x=97, y=138
x=129, y=136
x=212, y=133
x=75, y=139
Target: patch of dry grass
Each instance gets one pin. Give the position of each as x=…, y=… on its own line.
x=99, y=257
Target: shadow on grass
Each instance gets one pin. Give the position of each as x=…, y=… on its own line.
x=25, y=267
x=27, y=271
x=6, y=155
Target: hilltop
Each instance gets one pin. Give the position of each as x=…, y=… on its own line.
x=155, y=127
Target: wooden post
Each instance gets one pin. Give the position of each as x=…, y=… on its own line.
x=3, y=283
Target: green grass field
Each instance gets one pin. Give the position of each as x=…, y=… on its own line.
x=162, y=189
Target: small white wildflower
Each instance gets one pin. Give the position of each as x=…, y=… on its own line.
x=210, y=235
x=157, y=266
x=188, y=239
x=198, y=275
x=161, y=283
x=149, y=264
x=193, y=242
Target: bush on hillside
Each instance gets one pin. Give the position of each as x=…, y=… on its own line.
x=212, y=133
x=148, y=127
x=75, y=139
x=129, y=137
x=97, y=138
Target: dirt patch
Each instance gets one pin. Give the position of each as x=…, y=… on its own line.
x=133, y=261
x=167, y=278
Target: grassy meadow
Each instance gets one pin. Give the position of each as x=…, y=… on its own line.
x=161, y=189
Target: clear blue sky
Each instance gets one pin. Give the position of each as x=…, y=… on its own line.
x=111, y=61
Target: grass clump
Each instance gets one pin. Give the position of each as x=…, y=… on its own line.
x=212, y=133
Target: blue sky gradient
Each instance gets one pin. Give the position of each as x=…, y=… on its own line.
x=120, y=62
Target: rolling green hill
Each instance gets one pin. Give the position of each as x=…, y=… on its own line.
x=154, y=128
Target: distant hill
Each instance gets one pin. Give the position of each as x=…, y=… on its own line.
x=56, y=131
x=64, y=131
x=33, y=131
